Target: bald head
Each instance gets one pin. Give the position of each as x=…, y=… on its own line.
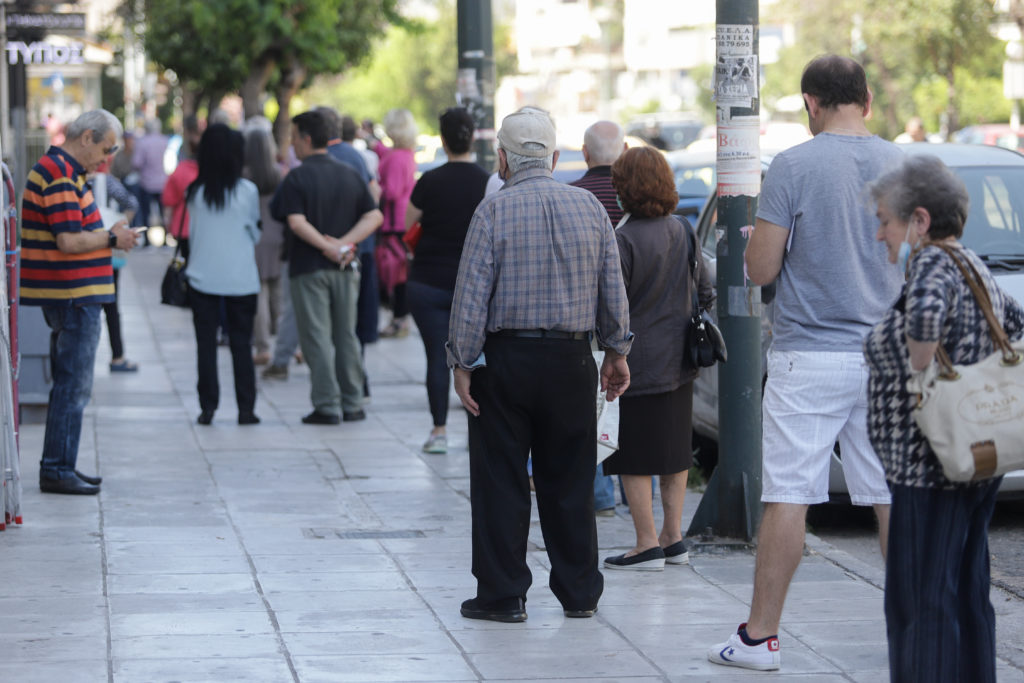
x=602, y=144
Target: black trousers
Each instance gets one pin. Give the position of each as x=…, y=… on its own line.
x=241, y=310
x=113, y=316
x=535, y=395
x=431, y=308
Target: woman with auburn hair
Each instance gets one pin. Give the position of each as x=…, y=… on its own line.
x=655, y=427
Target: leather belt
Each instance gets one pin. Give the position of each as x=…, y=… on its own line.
x=543, y=334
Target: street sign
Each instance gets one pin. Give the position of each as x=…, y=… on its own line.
x=70, y=22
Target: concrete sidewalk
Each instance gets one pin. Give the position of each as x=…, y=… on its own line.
x=284, y=552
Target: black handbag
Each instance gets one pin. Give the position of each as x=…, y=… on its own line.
x=174, y=288
x=704, y=342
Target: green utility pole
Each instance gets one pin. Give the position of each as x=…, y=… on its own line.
x=731, y=506
x=475, y=82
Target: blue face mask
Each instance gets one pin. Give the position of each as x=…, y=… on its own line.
x=619, y=202
x=903, y=256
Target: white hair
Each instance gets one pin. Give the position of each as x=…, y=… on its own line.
x=99, y=121
x=400, y=126
x=604, y=141
x=519, y=162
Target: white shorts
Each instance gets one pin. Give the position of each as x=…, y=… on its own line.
x=811, y=400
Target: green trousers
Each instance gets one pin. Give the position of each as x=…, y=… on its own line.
x=325, y=314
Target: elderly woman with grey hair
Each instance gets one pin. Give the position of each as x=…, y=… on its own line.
x=940, y=622
x=397, y=172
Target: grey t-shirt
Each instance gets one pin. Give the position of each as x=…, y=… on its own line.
x=836, y=280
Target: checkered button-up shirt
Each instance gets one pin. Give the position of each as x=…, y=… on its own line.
x=538, y=255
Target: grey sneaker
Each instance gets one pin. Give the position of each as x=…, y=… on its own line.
x=275, y=372
x=437, y=444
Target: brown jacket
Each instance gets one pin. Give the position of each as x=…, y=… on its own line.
x=655, y=256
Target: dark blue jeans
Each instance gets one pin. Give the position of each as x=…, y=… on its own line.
x=431, y=309
x=940, y=621
x=74, y=336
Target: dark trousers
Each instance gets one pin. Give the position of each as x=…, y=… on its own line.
x=368, y=311
x=240, y=310
x=113, y=316
x=938, y=615
x=535, y=395
x=431, y=309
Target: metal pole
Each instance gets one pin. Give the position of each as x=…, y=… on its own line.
x=475, y=80
x=5, y=95
x=731, y=504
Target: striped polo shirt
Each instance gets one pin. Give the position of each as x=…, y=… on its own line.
x=598, y=181
x=57, y=199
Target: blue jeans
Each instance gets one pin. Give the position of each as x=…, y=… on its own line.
x=940, y=621
x=74, y=336
x=604, y=491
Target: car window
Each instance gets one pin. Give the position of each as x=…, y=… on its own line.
x=695, y=181
x=995, y=219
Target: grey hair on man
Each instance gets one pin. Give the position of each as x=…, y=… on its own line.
x=98, y=121
x=603, y=143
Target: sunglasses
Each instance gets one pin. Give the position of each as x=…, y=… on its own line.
x=111, y=150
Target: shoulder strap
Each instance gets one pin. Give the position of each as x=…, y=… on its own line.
x=981, y=294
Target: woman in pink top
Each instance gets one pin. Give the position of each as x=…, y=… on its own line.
x=173, y=195
x=397, y=178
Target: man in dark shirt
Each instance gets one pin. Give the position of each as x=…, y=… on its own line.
x=329, y=208
x=602, y=144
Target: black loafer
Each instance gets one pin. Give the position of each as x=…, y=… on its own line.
x=509, y=610
x=652, y=559
x=316, y=418
x=69, y=486
x=248, y=419
x=95, y=481
x=205, y=417
x=354, y=416
x=580, y=613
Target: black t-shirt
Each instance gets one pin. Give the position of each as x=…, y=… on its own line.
x=331, y=195
x=448, y=196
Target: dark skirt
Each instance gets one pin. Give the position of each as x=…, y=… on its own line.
x=654, y=434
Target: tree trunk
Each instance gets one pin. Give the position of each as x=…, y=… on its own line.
x=253, y=88
x=292, y=77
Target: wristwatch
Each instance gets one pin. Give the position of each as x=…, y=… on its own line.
x=112, y=240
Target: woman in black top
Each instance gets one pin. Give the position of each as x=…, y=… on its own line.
x=443, y=201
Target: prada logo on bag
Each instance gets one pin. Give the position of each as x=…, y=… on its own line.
x=993, y=404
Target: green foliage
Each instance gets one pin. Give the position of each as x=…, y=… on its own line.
x=931, y=58
x=411, y=67
x=215, y=45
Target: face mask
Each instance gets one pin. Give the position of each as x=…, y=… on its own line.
x=619, y=202
x=903, y=256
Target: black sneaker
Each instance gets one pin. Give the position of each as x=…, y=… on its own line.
x=317, y=418
x=354, y=416
x=677, y=553
x=509, y=610
x=652, y=560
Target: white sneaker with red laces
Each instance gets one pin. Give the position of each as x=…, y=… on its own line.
x=734, y=652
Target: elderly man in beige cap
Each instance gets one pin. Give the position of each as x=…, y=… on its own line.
x=539, y=277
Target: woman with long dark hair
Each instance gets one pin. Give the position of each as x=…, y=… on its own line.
x=443, y=201
x=224, y=226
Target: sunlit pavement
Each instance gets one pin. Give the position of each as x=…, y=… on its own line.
x=287, y=552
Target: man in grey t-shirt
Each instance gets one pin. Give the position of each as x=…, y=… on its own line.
x=815, y=236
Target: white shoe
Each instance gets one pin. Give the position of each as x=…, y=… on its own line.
x=734, y=652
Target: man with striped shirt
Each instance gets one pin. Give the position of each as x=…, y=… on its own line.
x=66, y=270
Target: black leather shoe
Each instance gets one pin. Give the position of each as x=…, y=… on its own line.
x=509, y=610
x=354, y=416
x=248, y=419
x=95, y=481
x=205, y=417
x=70, y=485
x=316, y=418
x=580, y=613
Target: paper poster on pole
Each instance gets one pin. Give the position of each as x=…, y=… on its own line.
x=736, y=68
x=739, y=162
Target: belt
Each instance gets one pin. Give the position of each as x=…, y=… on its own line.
x=542, y=334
